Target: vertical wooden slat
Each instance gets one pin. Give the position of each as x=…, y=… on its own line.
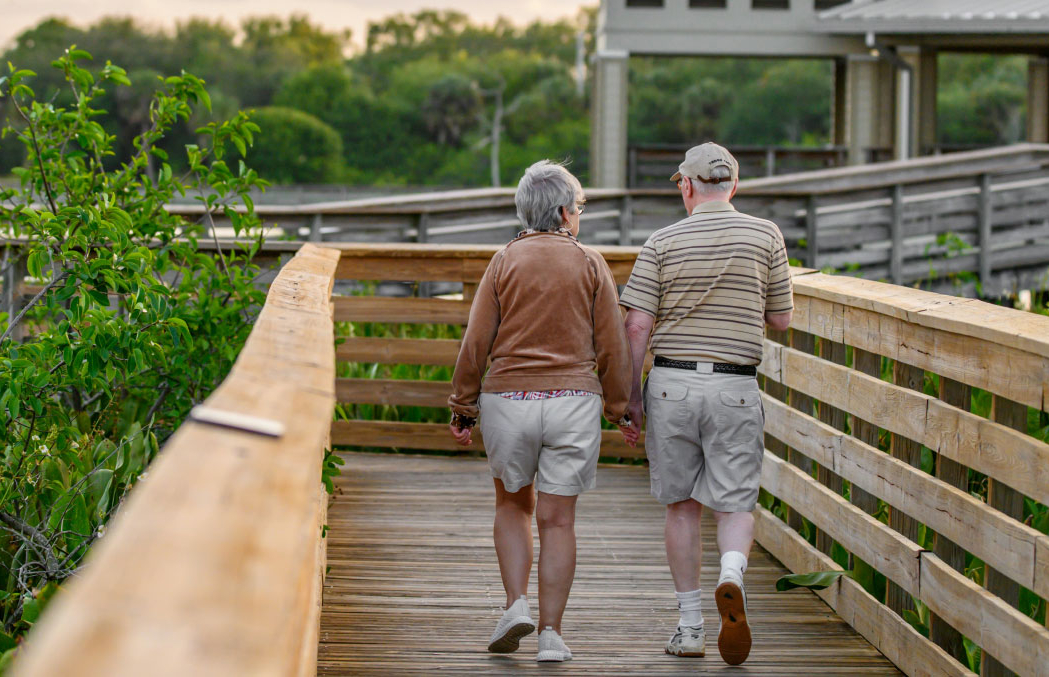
x=984, y=225
x=1009, y=501
x=908, y=451
x=950, y=640
x=780, y=392
x=868, y=363
x=896, y=233
x=806, y=343
x=626, y=220
x=811, y=232
x=834, y=352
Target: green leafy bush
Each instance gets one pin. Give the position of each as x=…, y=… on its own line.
x=295, y=147
x=132, y=324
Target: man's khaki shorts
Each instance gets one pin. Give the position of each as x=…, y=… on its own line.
x=704, y=438
x=558, y=439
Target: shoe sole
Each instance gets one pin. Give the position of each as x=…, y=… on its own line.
x=552, y=656
x=687, y=654
x=511, y=639
x=734, y=639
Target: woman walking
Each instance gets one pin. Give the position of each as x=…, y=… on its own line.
x=546, y=313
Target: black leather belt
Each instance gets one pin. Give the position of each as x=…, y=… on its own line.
x=718, y=368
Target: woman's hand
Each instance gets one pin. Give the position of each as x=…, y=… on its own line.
x=630, y=434
x=461, y=435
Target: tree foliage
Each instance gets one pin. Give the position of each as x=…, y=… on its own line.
x=416, y=103
x=295, y=147
x=133, y=323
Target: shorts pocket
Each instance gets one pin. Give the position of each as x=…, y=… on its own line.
x=667, y=407
x=739, y=417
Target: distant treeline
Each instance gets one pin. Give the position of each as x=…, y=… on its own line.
x=429, y=94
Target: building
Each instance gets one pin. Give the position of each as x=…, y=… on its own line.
x=885, y=55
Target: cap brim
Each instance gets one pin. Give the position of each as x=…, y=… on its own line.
x=676, y=177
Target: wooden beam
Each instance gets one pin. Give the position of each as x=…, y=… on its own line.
x=1011, y=637
x=994, y=537
x=212, y=566
x=398, y=351
x=398, y=309
x=887, y=632
x=435, y=436
x=393, y=392
x=989, y=447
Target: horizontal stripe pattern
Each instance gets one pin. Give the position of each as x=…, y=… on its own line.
x=709, y=280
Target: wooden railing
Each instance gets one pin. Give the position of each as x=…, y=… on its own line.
x=214, y=565
x=844, y=443
x=934, y=220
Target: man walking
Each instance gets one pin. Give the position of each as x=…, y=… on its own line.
x=703, y=289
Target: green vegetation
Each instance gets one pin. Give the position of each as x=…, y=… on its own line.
x=434, y=99
x=133, y=323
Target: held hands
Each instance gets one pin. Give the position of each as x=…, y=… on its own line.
x=632, y=432
x=461, y=435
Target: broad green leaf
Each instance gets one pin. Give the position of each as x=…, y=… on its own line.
x=816, y=580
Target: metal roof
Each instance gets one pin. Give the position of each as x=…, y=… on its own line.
x=938, y=16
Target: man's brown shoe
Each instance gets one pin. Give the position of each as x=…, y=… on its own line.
x=734, y=638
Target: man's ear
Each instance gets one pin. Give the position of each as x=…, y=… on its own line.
x=735, y=186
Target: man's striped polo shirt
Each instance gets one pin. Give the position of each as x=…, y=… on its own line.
x=709, y=280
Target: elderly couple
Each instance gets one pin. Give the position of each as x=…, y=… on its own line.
x=546, y=314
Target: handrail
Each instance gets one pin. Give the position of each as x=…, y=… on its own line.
x=214, y=565
x=859, y=324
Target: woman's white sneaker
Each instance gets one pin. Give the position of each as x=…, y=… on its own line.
x=515, y=624
x=688, y=642
x=552, y=647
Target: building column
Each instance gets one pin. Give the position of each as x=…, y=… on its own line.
x=861, y=102
x=608, y=131
x=924, y=78
x=1038, y=100
x=839, y=128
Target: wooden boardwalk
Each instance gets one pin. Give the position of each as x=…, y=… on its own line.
x=413, y=585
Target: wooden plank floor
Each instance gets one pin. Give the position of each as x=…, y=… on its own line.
x=413, y=585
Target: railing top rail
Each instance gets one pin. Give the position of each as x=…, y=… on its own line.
x=969, y=317
x=212, y=566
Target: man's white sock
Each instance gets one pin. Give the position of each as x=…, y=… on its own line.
x=733, y=564
x=691, y=609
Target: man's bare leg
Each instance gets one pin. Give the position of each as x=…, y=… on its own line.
x=735, y=536
x=684, y=542
x=512, y=533
x=555, y=517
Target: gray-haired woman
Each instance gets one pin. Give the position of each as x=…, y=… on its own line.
x=546, y=312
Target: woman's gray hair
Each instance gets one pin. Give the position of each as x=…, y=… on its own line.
x=545, y=188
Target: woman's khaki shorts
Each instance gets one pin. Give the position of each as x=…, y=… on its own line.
x=558, y=439
x=704, y=438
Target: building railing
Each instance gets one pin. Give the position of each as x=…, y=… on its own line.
x=852, y=432
x=214, y=565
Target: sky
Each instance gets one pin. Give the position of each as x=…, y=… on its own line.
x=17, y=15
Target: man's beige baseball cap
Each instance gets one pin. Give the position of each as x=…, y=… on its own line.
x=701, y=160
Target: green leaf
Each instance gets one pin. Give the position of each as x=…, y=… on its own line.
x=7, y=641
x=816, y=580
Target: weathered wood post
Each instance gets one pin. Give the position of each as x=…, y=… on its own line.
x=811, y=230
x=315, y=228
x=984, y=223
x=626, y=220
x=896, y=234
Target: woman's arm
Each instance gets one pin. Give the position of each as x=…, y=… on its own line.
x=477, y=343
x=610, y=344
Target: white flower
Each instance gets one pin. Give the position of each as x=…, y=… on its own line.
x=101, y=530
x=143, y=475
x=44, y=450
x=35, y=438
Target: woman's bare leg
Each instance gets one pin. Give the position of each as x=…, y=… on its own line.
x=555, y=516
x=512, y=533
